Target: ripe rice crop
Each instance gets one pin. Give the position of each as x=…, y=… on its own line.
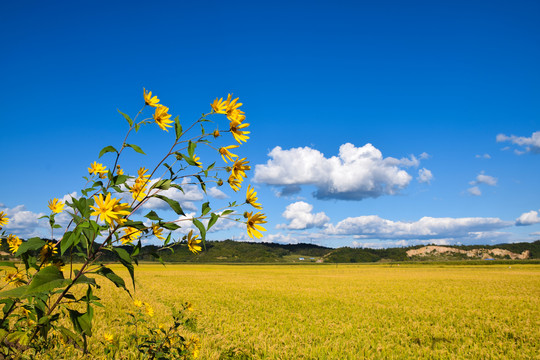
x=343, y=311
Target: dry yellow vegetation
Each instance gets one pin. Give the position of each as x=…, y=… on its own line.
x=344, y=311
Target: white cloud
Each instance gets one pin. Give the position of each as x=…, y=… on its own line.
x=485, y=156
x=300, y=217
x=374, y=227
x=356, y=173
x=216, y=193
x=531, y=144
x=482, y=178
x=475, y=191
x=528, y=218
x=424, y=156
x=424, y=176
x=25, y=224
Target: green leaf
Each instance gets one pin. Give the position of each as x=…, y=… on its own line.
x=136, y=148
x=109, y=274
x=227, y=212
x=175, y=205
x=32, y=244
x=153, y=216
x=176, y=186
x=119, y=179
x=107, y=149
x=169, y=168
x=202, y=183
x=169, y=226
x=130, y=122
x=177, y=128
x=189, y=160
x=125, y=259
x=201, y=228
x=162, y=184
x=205, y=208
x=212, y=221
x=82, y=322
x=191, y=148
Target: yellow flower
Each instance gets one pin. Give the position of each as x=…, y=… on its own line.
x=253, y=227
x=119, y=170
x=105, y=208
x=232, y=106
x=251, y=198
x=236, y=129
x=226, y=154
x=16, y=279
x=235, y=183
x=192, y=242
x=239, y=168
x=138, y=191
x=141, y=175
x=162, y=118
x=131, y=234
x=121, y=209
x=149, y=100
x=108, y=338
x=219, y=106
x=138, y=303
x=157, y=231
x=14, y=242
x=56, y=205
x=149, y=310
x=196, y=159
x=3, y=218
x=97, y=168
x=48, y=250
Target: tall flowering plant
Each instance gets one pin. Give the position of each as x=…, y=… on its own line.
x=38, y=291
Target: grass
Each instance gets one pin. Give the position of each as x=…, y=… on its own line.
x=342, y=312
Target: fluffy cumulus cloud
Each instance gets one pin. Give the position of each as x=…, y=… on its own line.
x=484, y=179
x=475, y=191
x=529, y=144
x=528, y=218
x=374, y=227
x=216, y=193
x=25, y=224
x=356, y=173
x=424, y=176
x=300, y=217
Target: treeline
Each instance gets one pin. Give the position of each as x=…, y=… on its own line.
x=229, y=251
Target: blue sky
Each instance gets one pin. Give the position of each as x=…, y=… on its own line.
x=420, y=120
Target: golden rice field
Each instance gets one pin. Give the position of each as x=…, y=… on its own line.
x=342, y=312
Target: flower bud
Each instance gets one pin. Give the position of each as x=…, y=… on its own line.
x=216, y=133
x=220, y=182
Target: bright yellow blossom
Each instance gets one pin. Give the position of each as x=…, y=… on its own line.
x=138, y=303
x=121, y=209
x=237, y=132
x=149, y=310
x=157, y=231
x=15, y=278
x=235, y=183
x=239, y=168
x=108, y=338
x=219, y=106
x=226, y=154
x=150, y=100
x=14, y=242
x=105, y=208
x=119, y=170
x=97, y=168
x=196, y=159
x=141, y=174
x=251, y=198
x=56, y=205
x=162, y=118
x=3, y=218
x=131, y=234
x=253, y=227
x=138, y=191
x=192, y=242
x=48, y=250
x=232, y=105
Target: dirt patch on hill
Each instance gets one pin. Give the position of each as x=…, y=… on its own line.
x=474, y=253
